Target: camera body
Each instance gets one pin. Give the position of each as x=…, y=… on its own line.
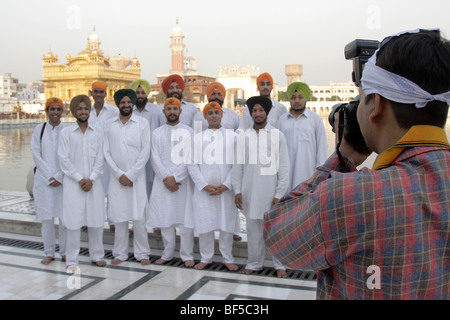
x=359, y=51
x=350, y=127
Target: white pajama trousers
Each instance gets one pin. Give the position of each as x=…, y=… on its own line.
x=207, y=245
x=141, y=247
x=95, y=244
x=186, y=243
x=256, y=246
x=49, y=237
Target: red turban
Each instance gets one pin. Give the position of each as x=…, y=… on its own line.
x=172, y=78
x=263, y=76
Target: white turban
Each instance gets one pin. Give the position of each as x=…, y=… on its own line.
x=394, y=87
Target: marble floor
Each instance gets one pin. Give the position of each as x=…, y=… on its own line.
x=23, y=277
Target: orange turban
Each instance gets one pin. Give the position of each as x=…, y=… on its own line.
x=215, y=86
x=211, y=106
x=99, y=85
x=54, y=101
x=172, y=102
x=172, y=78
x=263, y=76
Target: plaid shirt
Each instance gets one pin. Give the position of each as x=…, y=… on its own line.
x=370, y=234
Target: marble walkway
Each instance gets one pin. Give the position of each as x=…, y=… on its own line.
x=23, y=277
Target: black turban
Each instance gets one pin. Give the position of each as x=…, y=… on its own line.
x=266, y=103
x=118, y=96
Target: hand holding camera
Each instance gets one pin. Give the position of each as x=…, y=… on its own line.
x=343, y=118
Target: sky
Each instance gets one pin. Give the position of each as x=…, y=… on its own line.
x=265, y=34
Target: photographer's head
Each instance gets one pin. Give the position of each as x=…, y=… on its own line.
x=404, y=84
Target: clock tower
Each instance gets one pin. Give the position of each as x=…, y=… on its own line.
x=177, y=46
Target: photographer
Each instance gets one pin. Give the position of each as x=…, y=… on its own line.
x=380, y=233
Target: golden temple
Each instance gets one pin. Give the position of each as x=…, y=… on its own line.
x=90, y=65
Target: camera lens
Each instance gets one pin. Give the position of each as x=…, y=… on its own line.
x=336, y=108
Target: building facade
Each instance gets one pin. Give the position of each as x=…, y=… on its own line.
x=76, y=77
x=240, y=83
x=9, y=86
x=335, y=92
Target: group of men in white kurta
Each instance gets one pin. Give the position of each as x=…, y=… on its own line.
x=195, y=182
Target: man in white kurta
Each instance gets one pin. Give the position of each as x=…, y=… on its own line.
x=101, y=114
x=216, y=92
x=101, y=111
x=127, y=150
x=173, y=86
x=213, y=200
x=305, y=135
x=265, y=86
x=152, y=113
x=81, y=158
x=170, y=203
x=47, y=188
x=260, y=178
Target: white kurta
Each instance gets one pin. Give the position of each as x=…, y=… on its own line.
x=107, y=113
x=230, y=120
x=127, y=150
x=152, y=113
x=47, y=199
x=261, y=171
x=170, y=158
x=81, y=157
x=213, y=167
x=189, y=111
x=278, y=109
x=306, y=142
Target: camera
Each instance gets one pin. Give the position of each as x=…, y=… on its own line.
x=349, y=123
x=359, y=51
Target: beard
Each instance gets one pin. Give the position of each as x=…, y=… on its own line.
x=260, y=122
x=141, y=102
x=265, y=94
x=177, y=95
x=173, y=120
x=220, y=102
x=126, y=113
x=298, y=109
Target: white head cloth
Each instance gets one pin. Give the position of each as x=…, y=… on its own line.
x=394, y=87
